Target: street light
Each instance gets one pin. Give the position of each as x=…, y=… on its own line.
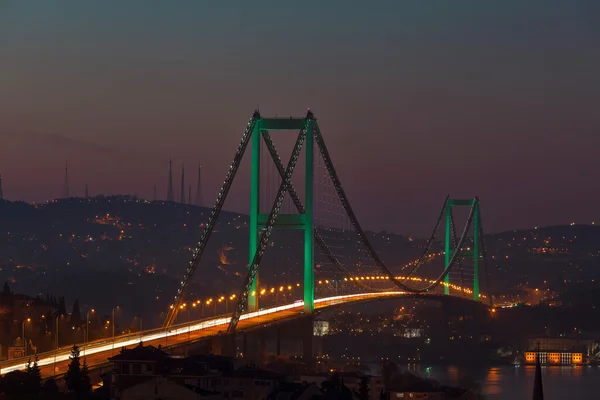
x=141, y=332
x=87, y=330
x=207, y=303
x=56, y=338
x=23, y=334
x=113, y=329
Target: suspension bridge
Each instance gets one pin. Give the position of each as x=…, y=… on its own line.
x=332, y=242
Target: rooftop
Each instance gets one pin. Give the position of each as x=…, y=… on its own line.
x=141, y=353
x=252, y=372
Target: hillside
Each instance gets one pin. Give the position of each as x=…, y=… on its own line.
x=102, y=249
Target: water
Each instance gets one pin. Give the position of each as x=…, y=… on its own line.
x=516, y=383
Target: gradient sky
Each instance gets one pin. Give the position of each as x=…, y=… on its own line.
x=415, y=99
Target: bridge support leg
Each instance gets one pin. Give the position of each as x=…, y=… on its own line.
x=278, y=345
x=307, y=341
x=262, y=348
x=447, y=246
x=254, y=211
x=224, y=345
x=476, y=243
x=309, y=273
x=245, y=349
x=254, y=347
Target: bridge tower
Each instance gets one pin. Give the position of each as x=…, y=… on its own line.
x=261, y=225
x=303, y=220
x=475, y=253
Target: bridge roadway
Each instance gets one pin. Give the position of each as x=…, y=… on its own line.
x=97, y=353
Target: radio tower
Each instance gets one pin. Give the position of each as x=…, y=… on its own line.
x=182, y=195
x=154, y=192
x=170, y=186
x=199, y=187
x=87, y=194
x=66, y=187
x=1, y=194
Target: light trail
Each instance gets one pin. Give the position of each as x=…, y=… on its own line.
x=50, y=358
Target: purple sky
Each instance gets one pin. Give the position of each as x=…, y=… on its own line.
x=415, y=99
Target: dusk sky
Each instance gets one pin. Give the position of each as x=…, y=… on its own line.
x=416, y=99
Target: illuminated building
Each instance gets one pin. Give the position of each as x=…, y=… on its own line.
x=558, y=350
x=554, y=357
x=559, y=343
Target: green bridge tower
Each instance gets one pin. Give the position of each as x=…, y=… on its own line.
x=303, y=221
x=473, y=253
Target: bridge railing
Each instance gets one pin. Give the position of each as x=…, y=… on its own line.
x=131, y=339
x=174, y=330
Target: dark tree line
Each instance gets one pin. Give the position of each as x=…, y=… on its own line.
x=28, y=384
x=334, y=389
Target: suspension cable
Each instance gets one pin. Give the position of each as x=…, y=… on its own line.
x=485, y=264
x=266, y=232
x=432, y=238
x=342, y=196
x=300, y=207
x=212, y=219
x=454, y=242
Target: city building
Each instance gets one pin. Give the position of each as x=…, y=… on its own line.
x=554, y=358
x=150, y=373
x=351, y=381
x=558, y=350
x=430, y=394
x=560, y=344
x=166, y=389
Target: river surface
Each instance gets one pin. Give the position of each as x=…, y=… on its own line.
x=510, y=382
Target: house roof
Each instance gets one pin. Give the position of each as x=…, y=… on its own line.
x=255, y=373
x=295, y=391
x=141, y=353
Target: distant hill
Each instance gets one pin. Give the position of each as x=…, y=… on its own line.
x=104, y=248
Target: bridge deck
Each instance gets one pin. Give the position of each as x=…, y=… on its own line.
x=98, y=352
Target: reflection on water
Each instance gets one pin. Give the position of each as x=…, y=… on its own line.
x=510, y=382
x=493, y=382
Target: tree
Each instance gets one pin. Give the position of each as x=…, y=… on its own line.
x=334, y=389
x=388, y=371
x=74, y=376
x=6, y=296
x=332, y=384
x=15, y=385
x=76, y=313
x=50, y=387
x=86, y=385
x=62, y=308
x=363, y=389
x=382, y=395
x=34, y=374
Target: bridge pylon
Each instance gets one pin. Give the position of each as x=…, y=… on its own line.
x=261, y=225
x=304, y=220
x=450, y=241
